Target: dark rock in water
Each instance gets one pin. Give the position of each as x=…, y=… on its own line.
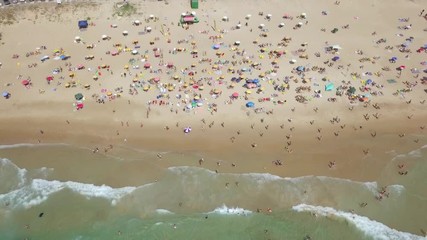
x=41, y=214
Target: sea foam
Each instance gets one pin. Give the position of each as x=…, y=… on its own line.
x=371, y=228
x=39, y=190
x=224, y=210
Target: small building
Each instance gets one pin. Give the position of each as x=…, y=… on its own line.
x=194, y=4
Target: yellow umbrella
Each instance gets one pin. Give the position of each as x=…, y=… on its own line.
x=135, y=80
x=67, y=85
x=146, y=88
x=261, y=75
x=196, y=98
x=109, y=93
x=201, y=88
x=126, y=67
x=71, y=75
x=95, y=77
x=171, y=88
x=175, y=77
x=248, y=91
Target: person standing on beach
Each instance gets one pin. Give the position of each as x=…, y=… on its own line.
x=421, y=14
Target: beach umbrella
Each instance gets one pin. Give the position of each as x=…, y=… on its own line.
x=125, y=33
x=250, y=104
x=137, y=22
x=235, y=95
x=77, y=38
x=281, y=25
x=329, y=87
x=248, y=16
x=237, y=43
x=79, y=105
x=5, y=94
x=147, y=65
x=187, y=130
x=151, y=16
x=261, y=26
x=104, y=37
x=49, y=78
x=336, y=58
x=248, y=91
x=78, y=96
x=269, y=16
x=300, y=68
x=148, y=29
x=303, y=15
x=25, y=82
x=238, y=26
x=216, y=46
x=292, y=61
x=225, y=18
x=352, y=90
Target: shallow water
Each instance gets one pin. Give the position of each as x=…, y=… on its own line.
x=196, y=203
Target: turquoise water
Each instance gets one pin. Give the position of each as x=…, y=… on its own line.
x=196, y=203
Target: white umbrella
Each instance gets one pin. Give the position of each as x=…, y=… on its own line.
x=299, y=24
x=193, y=13
x=114, y=25
x=183, y=14
x=269, y=15
x=125, y=33
x=148, y=29
x=104, y=37
x=237, y=43
x=238, y=25
x=137, y=22
x=293, y=61
x=303, y=15
x=225, y=18
x=281, y=24
x=151, y=16
x=248, y=16
x=134, y=52
x=77, y=38
x=261, y=25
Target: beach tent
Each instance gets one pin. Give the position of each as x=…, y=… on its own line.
x=250, y=104
x=78, y=96
x=194, y=4
x=329, y=87
x=83, y=24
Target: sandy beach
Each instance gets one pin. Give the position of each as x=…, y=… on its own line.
x=331, y=90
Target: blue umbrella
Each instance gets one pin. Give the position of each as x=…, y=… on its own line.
x=336, y=58
x=250, y=104
x=369, y=81
x=5, y=94
x=300, y=68
x=256, y=80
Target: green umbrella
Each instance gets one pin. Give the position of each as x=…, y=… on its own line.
x=78, y=96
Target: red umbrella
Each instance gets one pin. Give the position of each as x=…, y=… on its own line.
x=402, y=67
x=235, y=95
x=49, y=78
x=147, y=65
x=25, y=82
x=156, y=79
x=79, y=106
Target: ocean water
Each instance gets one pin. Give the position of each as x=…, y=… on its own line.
x=196, y=203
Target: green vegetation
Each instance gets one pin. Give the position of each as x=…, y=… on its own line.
x=124, y=10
